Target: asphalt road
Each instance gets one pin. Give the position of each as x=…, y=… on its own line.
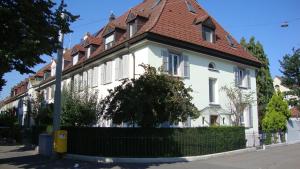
x=284, y=157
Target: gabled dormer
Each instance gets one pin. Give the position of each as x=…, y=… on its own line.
x=112, y=33
x=135, y=21
x=53, y=67
x=90, y=44
x=77, y=53
x=207, y=28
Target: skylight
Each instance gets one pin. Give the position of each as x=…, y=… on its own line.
x=155, y=3
x=230, y=40
x=190, y=7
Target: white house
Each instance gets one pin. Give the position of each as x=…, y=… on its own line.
x=178, y=35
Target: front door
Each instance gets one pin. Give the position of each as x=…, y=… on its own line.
x=213, y=120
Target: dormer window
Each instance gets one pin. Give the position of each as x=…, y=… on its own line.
x=208, y=34
x=230, y=41
x=132, y=29
x=75, y=59
x=190, y=7
x=109, y=40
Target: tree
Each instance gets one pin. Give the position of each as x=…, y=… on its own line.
x=152, y=99
x=29, y=29
x=239, y=100
x=264, y=82
x=290, y=68
x=40, y=111
x=79, y=109
x=277, y=114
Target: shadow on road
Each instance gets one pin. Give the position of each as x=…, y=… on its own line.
x=41, y=162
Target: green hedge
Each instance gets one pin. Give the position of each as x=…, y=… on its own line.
x=158, y=142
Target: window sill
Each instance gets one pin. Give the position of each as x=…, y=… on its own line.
x=244, y=88
x=214, y=104
x=213, y=70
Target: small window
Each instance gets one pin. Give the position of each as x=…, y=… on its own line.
x=212, y=90
x=212, y=66
x=203, y=121
x=132, y=29
x=190, y=7
x=230, y=41
x=109, y=41
x=208, y=34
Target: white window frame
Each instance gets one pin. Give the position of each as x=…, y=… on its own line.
x=89, y=51
x=243, y=78
x=172, y=62
x=75, y=59
x=208, y=34
x=109, y=40
x=214, y=90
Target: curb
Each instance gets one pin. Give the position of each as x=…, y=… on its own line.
x=154, y=160
x=282, y=144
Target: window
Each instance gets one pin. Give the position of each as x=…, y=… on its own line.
x=52, y=92
x=230, y=41
x=90, y=78
x=212, y=66
x=46, y=75
x=212, y=90
x=242, y=78
x=106, y=73
x=175, y=64
x=190, y=7
x=132, y=29
x=85, y=80
x=208, y=34
x=75, y=59
x=95, y=77
x=109, y=41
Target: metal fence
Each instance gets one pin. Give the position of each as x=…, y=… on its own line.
x=138, y=142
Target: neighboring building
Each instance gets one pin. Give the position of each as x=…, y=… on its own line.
x=179, y=36
x=278, y=86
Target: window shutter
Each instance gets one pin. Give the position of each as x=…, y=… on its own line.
x=90, y=77
x=85, y=78
x=102, y=68
x=120, y=68
x=165, y=56
x=117, y=66
x=181, y=66
x=236, y=76
x=186, y=65
x=248, y=79
x=125, y=66
x=95, y=77
x=108, y=72
x=250, y=116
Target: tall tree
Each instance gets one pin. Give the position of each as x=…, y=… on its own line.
x=152, y=99
x=29, y=29
x=264, y=80
x=290, y=68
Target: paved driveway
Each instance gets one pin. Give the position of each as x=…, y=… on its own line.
x=285, y=157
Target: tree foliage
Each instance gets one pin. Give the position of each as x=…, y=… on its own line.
x=264, y=82
x=277, y=114
x=40, y=111
x=152, y=99
x=79, y=109
x=239, y=100
x=290, y=68
x=29, y=29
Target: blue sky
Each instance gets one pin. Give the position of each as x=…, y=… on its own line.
x=259, y=18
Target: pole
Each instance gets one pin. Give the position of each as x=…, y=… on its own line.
x=57, y=98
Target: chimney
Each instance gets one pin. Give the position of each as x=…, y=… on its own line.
x=65, y=50
x=112, y=16
x=86, y=36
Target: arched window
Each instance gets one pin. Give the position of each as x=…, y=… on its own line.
x=212, y=66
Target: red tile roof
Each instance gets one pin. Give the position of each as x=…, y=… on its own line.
x=171, y=18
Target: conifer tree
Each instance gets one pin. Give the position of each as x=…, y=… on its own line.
x=264, y=80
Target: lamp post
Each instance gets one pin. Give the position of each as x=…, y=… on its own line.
x=57, y=97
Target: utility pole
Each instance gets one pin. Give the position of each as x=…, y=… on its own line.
x=57, y=97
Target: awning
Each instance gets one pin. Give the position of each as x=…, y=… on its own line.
x=214, y=110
